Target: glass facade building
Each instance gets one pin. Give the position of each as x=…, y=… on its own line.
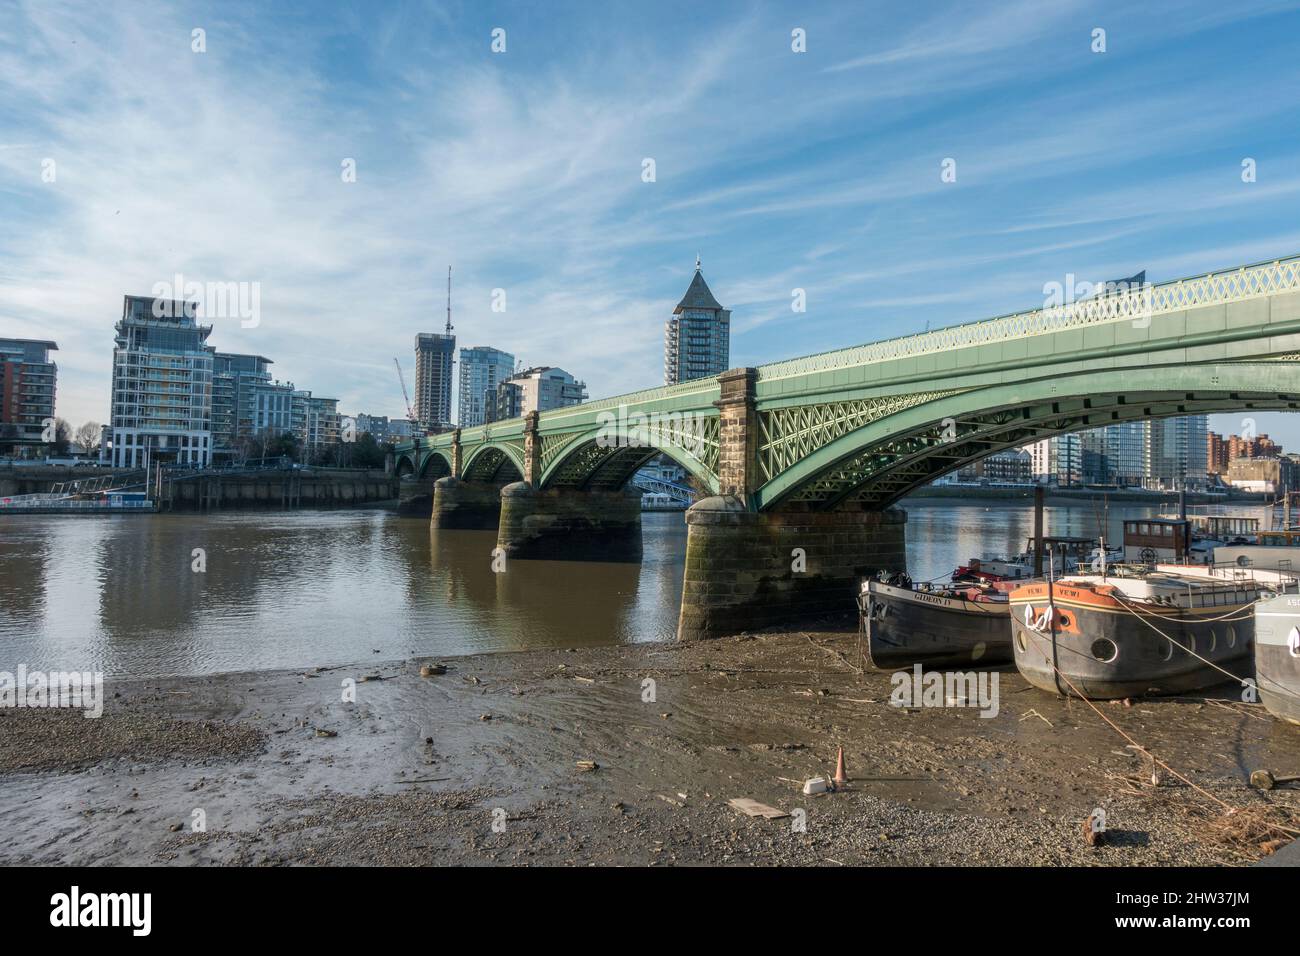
x=162, y=385
x=482, y=369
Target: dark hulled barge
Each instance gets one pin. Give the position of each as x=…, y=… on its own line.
x=951, y=626
x=1132, y=634
x=1277, y=655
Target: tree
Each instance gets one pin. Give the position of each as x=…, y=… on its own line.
x=62, y=438
x=367, y=453
x=88, y=437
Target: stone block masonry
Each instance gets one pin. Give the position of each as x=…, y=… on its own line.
x=465, y=505
x=568, y=525
x=742, y=571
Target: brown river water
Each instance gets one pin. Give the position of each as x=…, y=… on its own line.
x=121, y=594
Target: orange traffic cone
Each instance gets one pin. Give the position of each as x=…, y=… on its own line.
x=841, y=778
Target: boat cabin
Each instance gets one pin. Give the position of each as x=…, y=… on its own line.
x=1156, y=540
x=1222, y=527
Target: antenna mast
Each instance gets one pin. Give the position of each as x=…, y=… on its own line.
x=449, y=300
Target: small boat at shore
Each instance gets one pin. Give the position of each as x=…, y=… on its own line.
x=1277, y=655
x=1061, y=555
x=1133, y=632
x=943, y=626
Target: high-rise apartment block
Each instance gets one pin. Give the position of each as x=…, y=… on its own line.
x=697, y=339
x=162, y=385
x=434, y=355
x=28, y=379
x=482, y=369
x=235, y=379
x=543, y=388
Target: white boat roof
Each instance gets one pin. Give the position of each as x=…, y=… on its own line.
x=1157, y=583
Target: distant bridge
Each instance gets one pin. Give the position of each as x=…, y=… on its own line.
x=803, y=443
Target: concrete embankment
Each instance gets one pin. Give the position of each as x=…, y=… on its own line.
x=286, y=488
x=280, y=489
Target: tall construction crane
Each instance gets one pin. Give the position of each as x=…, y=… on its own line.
x=410, y=412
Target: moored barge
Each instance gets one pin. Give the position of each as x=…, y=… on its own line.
x=1132, y=633
x=1277, y=655
x=960, y=626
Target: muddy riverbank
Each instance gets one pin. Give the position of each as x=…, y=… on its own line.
x=481, y=764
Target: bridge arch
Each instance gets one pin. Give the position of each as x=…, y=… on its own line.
x=885, y=460
x=495, y=463
x=404, y=465
x=437, y=464
x=607, y=458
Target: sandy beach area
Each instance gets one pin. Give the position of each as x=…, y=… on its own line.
x=489, y=760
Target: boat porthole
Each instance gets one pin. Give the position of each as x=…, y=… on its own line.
x=1191, y=643
x=1214, y=641
x=1065, y=620
x=1104, y=649
x=1167, y=650
x=977, y=651
x=1021, y=646
x=1232, y=636
x=1293, y=642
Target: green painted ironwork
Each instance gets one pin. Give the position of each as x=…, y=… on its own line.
x=872, y=422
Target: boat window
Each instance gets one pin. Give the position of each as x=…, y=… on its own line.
x=1166, y=649
x=1104, y=650
x=1214, y=641
x=1232, y=636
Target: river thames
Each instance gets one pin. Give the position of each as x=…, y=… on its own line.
x=316, y=588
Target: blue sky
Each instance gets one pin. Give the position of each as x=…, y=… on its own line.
x=523, y=170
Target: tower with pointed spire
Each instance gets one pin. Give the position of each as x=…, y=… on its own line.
x=697, y=337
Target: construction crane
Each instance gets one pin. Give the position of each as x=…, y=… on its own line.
x=410, y=412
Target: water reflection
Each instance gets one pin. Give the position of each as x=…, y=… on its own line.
x=304, y=589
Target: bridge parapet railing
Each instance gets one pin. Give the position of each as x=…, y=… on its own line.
x=1139, y=303
x=559, y=417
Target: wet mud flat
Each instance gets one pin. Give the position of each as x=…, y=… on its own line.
x=490, y=761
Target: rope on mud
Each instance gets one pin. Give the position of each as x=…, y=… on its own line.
x=1228, y=808
x=1154, y=759
x=830, y=650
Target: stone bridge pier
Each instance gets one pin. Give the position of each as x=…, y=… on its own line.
x=747, y=569
x=551, y=524
x=566, y=524
x=463, y=504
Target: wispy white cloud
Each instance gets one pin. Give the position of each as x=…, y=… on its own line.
x=524, y=172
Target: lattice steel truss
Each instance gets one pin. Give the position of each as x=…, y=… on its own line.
x=888, y=470
x=496, y=463
x=589, y=459
x=788, y=435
